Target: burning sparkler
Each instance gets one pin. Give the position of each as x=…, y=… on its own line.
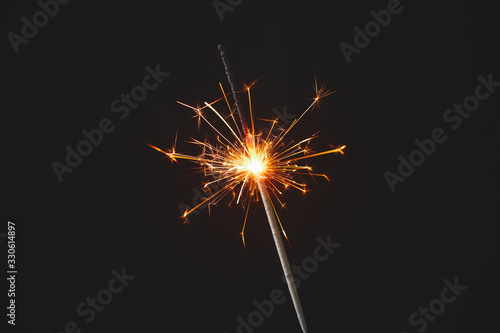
x=252, y=163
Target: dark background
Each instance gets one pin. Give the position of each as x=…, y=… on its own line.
x=119, y=207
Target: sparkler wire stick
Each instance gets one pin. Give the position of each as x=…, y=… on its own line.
x=282, y=253
x=229, y=76
x=271, y=215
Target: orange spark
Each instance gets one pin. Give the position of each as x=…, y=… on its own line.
x=239, y=162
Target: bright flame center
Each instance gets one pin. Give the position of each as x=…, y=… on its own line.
x=254, y=164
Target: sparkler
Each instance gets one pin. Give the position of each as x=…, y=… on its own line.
x=253, y=164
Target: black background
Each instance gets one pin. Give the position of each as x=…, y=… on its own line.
x=119, y=207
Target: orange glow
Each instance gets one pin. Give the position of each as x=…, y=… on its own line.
x=255, y=164
x=238, y=160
